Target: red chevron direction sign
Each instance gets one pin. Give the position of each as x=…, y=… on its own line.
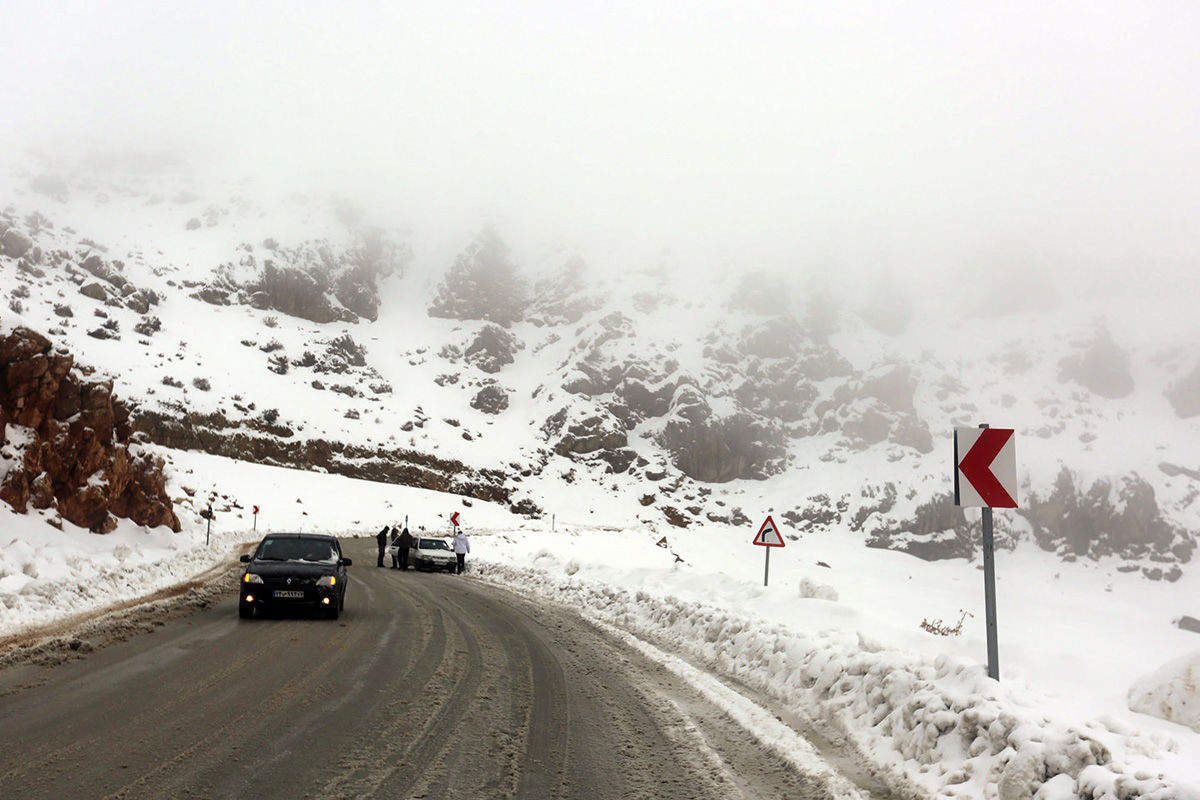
x=454, y=519
x=985, y=467
x=768, y=534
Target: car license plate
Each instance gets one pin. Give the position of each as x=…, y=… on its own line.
x=288, y=593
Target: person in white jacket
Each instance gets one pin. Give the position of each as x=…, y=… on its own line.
x=461, y=548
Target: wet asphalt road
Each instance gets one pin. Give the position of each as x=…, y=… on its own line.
x=429, y=686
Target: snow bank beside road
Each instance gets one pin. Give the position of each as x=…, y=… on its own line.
x=1171, y=692
x=936, y=726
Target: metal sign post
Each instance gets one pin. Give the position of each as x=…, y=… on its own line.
x=989, y=596
x=768, y=536
x=985, y=475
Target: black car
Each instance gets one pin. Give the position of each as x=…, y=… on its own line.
x=294, y=570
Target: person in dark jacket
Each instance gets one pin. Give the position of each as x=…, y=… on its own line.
x=405, y=541
x=382, y=538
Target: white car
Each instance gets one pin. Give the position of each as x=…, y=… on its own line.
x=429, y=553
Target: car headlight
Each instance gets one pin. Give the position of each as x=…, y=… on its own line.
x=250, y=577
x=327, y=580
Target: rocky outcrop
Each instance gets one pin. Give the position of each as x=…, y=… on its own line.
x=482, y=284
x=1184, y=394
x=491, y=399
x=1102, y=367
x=713, y=448
x=265, y=441
x=760, y=293
x=312, y=280
x=585, y=433
x=563, y=298
x=14, y=244
x=69, y=440
x=937, y=530
x=1109, y=518
x=492, y=349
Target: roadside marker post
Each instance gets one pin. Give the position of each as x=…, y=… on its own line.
x=768, y=536
x=985, y=476
x=256, y=518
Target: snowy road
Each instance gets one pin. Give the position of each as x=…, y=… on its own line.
x=429, y=686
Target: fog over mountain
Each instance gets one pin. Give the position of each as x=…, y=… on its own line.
x=963, y=145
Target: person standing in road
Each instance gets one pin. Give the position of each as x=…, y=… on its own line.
x=461, y=548
x=405, y=541
x=382, y=538
x=395, y=542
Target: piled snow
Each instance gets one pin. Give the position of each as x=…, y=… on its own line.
x=1171, y=692
x=924, y=722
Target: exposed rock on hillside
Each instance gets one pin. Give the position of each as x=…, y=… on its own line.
x=1184, y=394
x=491, y=399
x=267, y=442
x=580, y=433
x=761, y=293
x=492, y=349
x=1121, y=519
x=938, y=530
x=66, y=443
x=718, y=448
x=562, y=299
x=311, y=281
x=482, y=284
x=1103, y=367
x=15, y=244
x=876, y=408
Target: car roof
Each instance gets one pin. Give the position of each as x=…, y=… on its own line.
x=322, y=536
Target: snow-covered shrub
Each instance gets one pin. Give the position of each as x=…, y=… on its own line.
x=810, y=588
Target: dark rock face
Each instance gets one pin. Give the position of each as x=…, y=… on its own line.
x=719, y=449
x=761, y=293
x=491, y=399
x=15, y=244
x=482, y=284
x=295, y=292
x=1106, y=519
x=874, y=409
x=1184, y=394
x=597, y=432
x=95, y=290
x=778, y=337
x=1103, y=367
x=890, y=308
x=492, y=349
x=266, y=442
x=937, y=531
x=79, y=459
x=562, y=299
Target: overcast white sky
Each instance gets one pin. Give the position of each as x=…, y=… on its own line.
x=943, y=137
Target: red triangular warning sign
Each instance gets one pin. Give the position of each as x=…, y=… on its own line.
x=769, y=535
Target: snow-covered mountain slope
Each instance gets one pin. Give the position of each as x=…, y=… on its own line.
x=296, y=333
x=630, y=400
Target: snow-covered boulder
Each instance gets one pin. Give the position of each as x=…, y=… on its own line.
x=1171, y=692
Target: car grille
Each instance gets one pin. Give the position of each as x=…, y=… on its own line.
x=296, y=581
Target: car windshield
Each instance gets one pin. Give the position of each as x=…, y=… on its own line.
x=433, y=544
x=317, y=550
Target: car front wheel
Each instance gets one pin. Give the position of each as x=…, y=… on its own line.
x=245, y=611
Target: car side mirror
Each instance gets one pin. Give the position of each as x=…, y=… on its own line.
x=245, y=559
x=345, y=562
